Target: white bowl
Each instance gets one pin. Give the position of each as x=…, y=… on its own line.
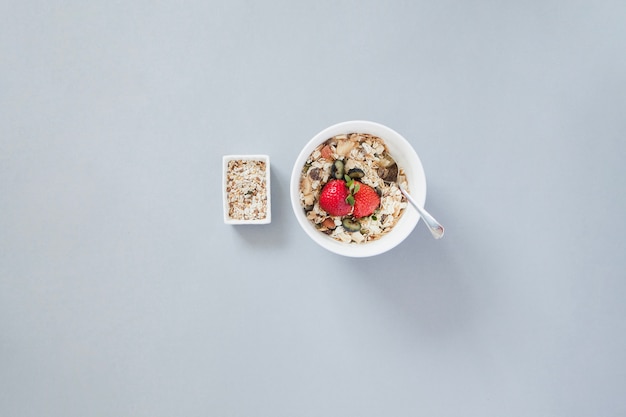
x=406, y=158
x=264, y=158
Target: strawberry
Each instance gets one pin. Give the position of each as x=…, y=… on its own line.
x=366, y=200
x=333, y=198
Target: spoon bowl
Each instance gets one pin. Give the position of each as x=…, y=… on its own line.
x=389, y=174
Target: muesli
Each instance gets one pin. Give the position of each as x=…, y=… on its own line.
x=362, y=158
x=246, y=190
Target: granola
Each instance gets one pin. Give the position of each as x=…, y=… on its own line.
x=246, y=190
x=369, y=155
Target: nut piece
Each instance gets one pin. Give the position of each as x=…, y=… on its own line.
x=345, y=146
x=327, y=152
x=328, y=223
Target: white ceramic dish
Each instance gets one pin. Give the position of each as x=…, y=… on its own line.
x=406, y=158
x=225, y=160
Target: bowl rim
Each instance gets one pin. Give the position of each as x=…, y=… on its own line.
x=401, y=150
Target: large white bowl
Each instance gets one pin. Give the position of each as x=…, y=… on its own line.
x=406, y=158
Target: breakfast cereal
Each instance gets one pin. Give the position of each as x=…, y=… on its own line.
x=354, y=157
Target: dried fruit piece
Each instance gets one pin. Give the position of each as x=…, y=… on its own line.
x=315, y=174
x=351, y=225
x=337, y=169
x=356, y=173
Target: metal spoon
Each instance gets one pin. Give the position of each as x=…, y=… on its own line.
x=435, y=228
x=389, y=173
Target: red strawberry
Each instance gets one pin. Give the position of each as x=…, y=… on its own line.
x=366, y=200
x=333, y=198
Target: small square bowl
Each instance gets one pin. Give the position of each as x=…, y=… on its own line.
x=246, y=189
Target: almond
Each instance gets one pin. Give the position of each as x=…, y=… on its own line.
x=327, y=152
x=328, y=223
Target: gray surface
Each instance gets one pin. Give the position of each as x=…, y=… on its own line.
x=122, y=293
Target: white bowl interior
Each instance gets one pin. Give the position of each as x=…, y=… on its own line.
x=406, y=157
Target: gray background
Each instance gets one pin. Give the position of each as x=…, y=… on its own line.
x=122, y=293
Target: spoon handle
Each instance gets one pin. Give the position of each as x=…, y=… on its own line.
x=433, y=225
